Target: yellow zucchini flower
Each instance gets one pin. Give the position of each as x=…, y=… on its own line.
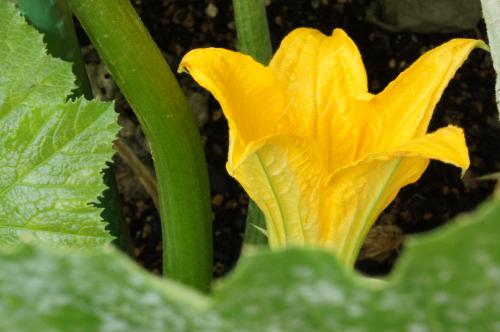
x=319, y=154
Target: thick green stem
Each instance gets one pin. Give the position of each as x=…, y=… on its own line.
x=252, y=29
x=253, y=39
x=150, y=87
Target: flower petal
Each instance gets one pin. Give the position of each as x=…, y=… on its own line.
x=445, y=144
x=321, y=75
x=282, y=174
x=249, y=94
x=357, y=194
x=406, y=105
x=315, y=66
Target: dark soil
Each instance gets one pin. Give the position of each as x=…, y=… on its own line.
x=178, y=26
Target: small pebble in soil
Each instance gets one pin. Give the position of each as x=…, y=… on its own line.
x=315, y=4
x=217, y=115
x=427, y=216
x=392, y=63
x=198, y=103
x=211, y=10
x=217, y=200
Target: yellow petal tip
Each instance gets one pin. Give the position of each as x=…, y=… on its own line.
x=337, y=31
x=181, y=69
x=482, y=45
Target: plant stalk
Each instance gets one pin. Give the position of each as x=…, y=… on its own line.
x=253, y=39
x=151, y=89
x=252, y=29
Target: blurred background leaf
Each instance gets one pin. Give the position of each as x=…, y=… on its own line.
x=427, y=16
x=448, y=280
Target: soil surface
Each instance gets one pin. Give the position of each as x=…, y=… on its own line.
x=178, y=26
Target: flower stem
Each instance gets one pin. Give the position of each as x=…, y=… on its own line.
x=150, y=87
x=252, y=29
x=253, y=39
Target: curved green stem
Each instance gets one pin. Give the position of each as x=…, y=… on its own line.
x=253, y=39
x=150, y=87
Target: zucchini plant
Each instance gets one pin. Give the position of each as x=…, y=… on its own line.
x=60, y=273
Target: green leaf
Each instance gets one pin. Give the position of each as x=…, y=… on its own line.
x=55, y=21
x=51, y=151
x=89, y=291
x=491, y=11
x=427, y=16
x=446, y=281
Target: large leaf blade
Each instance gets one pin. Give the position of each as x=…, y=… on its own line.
x=90, y=291
x=51, y=151
x=29, y=76
x=447, y=281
